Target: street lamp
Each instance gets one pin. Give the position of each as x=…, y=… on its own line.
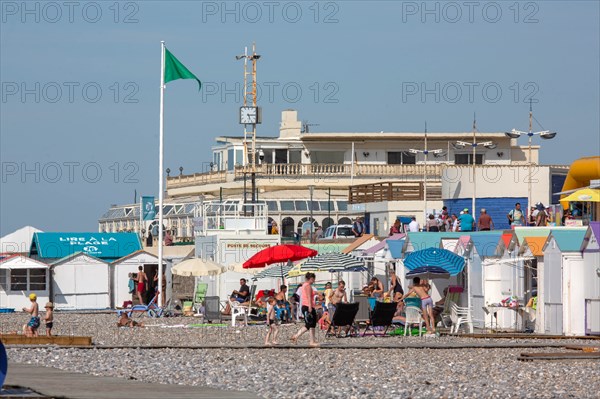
x=544, y=134
x=425, y=152
x=311, y=188
x=462, y=144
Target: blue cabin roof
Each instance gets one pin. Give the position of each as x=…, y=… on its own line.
x=395, y=247
x=105, y=246
x=486, y=244
x=568, y=240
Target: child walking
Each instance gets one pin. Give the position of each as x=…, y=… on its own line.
x=30, y=328
x=49, y=318
x=271, y=338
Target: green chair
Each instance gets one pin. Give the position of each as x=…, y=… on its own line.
x=199, y=296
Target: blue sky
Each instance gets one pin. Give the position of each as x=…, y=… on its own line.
x=79, y=106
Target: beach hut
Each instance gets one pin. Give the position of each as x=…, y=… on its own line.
x=80, y=282
x=19, y=277
x=18, y=241
x=564, y=282
x=121, y=268
x=532, y=251
x=591, y=280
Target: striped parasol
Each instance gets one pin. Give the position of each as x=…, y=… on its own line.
x=333, y=262
x=443, y=258
x=276, y=271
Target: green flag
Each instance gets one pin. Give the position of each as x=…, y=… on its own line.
x=176, y=70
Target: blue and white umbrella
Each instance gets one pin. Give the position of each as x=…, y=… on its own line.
x=439, y=257
x=334, y=262
x=428, y=272
x=276, y=271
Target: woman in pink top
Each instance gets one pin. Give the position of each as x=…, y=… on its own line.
x=308, y=310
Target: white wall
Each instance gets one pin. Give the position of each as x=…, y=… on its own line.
x=120, y=275
x=386, y=212
x=457, y=182
x=552, y=307
x=574, y=278
x=81, y=283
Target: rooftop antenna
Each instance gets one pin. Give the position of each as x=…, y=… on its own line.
x=306, y=126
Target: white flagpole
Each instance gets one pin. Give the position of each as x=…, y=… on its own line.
x=352, y=165
x=160, y=173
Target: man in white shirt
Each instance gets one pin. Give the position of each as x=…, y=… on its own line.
x=413, y=225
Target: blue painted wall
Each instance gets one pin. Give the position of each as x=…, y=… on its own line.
x=497, y=208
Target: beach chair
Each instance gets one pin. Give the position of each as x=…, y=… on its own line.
x=152, y=309
x=381, y=317
x=212, y=309
x=344, y=316
x=199, y=295
x=363, y=308
x=414, y=315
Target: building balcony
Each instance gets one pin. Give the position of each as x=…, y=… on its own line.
x=392, y=191
x=197, y=179
x=341, y=170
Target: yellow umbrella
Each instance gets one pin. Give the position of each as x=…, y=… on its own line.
x=197, y=267
x=295, y=271
x=584, y=195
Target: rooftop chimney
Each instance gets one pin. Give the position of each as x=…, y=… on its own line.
x=290, y=125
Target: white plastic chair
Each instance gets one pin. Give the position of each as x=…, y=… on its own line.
x=460, y=315
x=413, y=316
x=238, y=309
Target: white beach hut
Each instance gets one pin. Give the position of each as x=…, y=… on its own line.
x=79, y=282
x=19, y=277
x=564, y=282
x=591, y=281
x=121, y=268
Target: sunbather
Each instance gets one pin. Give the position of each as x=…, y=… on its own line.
x=126, y=321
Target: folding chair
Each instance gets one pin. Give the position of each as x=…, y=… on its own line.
x=382, y=316
x=199, y=295
x=344, y=316
x=212, y=309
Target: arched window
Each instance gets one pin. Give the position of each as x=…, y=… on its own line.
x=328, y=222
x=345, y=220
x=304, y=226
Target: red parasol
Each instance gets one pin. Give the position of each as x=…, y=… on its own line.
x=279, y=253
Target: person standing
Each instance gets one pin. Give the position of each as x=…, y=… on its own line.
x=467, y=222
x=49, y=318
x=271, y=338
x=308, y=310
x=274, y=228
x=149, y=239
x=31, y=328
x=358, y=227
x=395, y=229
x=516, y=217
x=168, y=240
x=141, y=283
x=541, y=219
x=454, y=222
x=485, y=222
x=432, y=224
x=413, y=226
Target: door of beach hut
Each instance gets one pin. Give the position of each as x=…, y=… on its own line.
x=591, y=256
x=553, y=287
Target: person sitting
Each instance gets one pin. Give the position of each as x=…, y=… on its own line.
x=324, y=322
x=377, y=288
x=242, y=296
x=126, y=321
x=284, y=312
x=438, y=309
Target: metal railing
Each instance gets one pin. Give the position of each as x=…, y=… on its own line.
x=392, y=191
x=228, y=216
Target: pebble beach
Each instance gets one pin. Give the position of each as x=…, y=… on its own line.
x=185, y=351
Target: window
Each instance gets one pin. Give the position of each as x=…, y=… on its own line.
x=281, y=156
x=401, y=158
x=327, y=205
x=18, y=280
x=37, y=279
x=466, y=159
x=295, y=156
x=315, y=205
x=272, y=206
x=239, y=157
x=287, y=206
x=301, y=206
x=230, y=159
x=342, y=205
x=3, y=276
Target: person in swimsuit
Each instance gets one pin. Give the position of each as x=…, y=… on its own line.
x=307, y=300
x=126, y=321
x=49, y=318
x=377, y=288
x=426, y=303
x=141, y=283
x=271, y=338
x=395, y=286
x=30, y=329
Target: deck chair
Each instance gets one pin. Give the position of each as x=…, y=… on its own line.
x=151, y=308
x=212, y=309
x=199, y=295
x=381, y=316
x=239, y=310
x=344, y=316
